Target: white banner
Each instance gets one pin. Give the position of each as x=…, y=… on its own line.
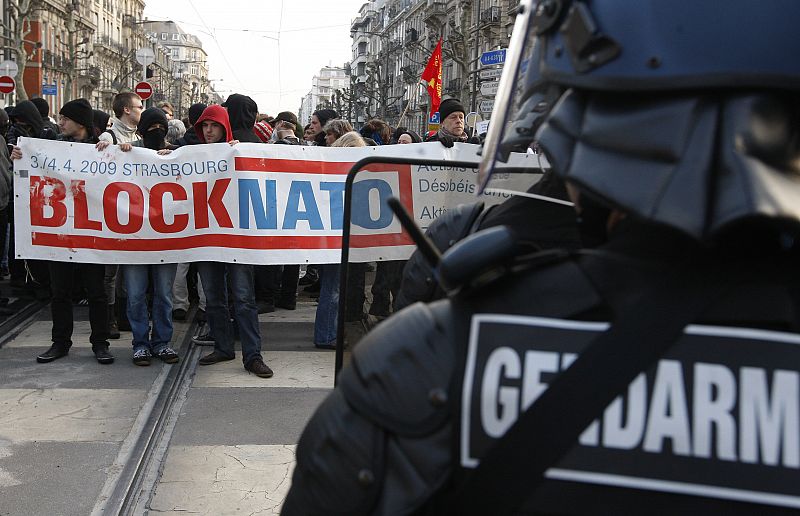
x=248, y=203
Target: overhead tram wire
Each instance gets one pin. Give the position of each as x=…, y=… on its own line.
x=214, y=37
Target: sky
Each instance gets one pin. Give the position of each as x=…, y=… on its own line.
x=267, y=49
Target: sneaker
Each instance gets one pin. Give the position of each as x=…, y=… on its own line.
x=102, y=355
x=56, y=351
x=179, y=314
x=213, y=358
x=259, y=368
x=168, y=355
x=204, y=337
x=141, y=357
x=326, y=345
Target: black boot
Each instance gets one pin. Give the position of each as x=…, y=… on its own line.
x=56, y=351
x=113, y=329
x=101, y=353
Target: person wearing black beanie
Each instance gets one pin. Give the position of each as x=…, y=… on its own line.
x=77, y=115
x=77, y=125
x=452, y=113
x=318, y=120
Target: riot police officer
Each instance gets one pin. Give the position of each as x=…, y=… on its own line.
x=657, y=373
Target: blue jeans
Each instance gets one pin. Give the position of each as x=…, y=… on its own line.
x=328, y=307
x=242, y=285
x=136, y=282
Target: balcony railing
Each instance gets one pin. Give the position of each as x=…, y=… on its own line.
x=454, y=85
x=490, y=15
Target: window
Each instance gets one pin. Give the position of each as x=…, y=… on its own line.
x=176, y=37
x=164, y=35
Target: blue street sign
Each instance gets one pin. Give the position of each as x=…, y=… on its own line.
x=493, y=57
x=49, y=89
x=435, y=118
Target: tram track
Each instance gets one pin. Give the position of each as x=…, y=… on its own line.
x=133, y=476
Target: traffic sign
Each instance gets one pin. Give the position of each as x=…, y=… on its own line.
x=435, y=118
x=489, y=88
x=493, y=57
x=482, y=127
x=491, y=73
x=49, y=89
x=145, y=56
x=6, y=84
x=144, y=90
x=486, y=106
x=472, y=118
x=9, y=67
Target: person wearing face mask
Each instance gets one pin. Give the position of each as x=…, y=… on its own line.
x=153, y=129
x=26, y=122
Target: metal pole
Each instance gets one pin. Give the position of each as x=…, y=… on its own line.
x=475, y=71
x=386, y=83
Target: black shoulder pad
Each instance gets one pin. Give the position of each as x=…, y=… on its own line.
x=418, y=283
x=340, y=463
x=400, y=372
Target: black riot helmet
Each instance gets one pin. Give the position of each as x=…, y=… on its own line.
x=684, y=113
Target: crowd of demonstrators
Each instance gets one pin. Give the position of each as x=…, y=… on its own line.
x=146, y=299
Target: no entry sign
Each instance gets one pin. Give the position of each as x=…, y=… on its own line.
x=6, y=84
x=144, y=90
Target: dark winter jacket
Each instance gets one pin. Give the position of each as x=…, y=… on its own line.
x=190, y=138
x=242, y=112
x=27, y=113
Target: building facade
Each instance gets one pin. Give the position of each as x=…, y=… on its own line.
x=182, y=78
x=328, y=90
x=87, y=48
x=393, y=40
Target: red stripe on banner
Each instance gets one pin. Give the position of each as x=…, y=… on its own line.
x=291, y=166
x=222, y=240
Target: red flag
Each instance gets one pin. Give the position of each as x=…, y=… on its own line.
x=432, y=77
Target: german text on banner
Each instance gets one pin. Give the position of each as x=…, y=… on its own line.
x=248, y=203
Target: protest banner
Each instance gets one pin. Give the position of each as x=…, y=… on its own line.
x=248, y=203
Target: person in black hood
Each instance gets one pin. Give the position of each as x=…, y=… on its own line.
x=27, y=122
x=242, y=112
x=153, y=129
x=100, y=119
x=191, y=137
x=44, y=110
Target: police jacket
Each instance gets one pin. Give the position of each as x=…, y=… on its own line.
x=712, y=424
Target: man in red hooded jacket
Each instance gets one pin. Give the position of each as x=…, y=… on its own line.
x=213, y=126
